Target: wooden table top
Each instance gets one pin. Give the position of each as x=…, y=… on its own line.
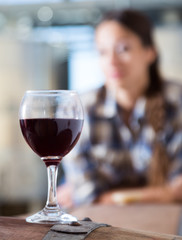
x=161, y=218
x=17, y=228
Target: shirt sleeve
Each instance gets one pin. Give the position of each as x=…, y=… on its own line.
x=173, y=141
x=79, y=170
x=175, y=152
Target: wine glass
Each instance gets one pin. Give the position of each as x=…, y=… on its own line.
x=51, y=122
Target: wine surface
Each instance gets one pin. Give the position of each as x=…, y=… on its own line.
x=51, y=137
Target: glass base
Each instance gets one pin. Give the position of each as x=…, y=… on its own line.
x=52, y=217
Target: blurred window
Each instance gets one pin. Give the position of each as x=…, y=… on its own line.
x=78, y=42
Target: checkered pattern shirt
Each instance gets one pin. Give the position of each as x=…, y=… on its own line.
x=108, y=155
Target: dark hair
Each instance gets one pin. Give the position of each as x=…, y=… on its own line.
x=140, y=24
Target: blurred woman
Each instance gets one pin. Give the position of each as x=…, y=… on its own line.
x=131, y=145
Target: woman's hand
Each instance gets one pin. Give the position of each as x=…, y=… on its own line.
x=171, y=192
x=160, y=194
x=120, y=197
x=176, y=188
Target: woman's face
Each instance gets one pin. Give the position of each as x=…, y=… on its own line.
x=124, y=60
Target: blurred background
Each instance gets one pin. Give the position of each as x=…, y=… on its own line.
x=50, y=45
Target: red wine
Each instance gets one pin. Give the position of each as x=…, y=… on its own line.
x=49, y=137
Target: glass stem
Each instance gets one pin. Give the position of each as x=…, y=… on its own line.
x=52, y=203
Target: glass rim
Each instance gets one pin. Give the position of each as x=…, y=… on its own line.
x=49, y=92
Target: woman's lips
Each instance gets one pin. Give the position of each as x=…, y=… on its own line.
x=117, y=75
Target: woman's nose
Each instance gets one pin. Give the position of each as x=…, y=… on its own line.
x=114, y=58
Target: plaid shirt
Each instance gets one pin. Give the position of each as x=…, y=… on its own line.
x=108, y=155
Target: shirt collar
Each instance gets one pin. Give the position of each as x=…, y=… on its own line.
x=108, y=107
x=139, y=109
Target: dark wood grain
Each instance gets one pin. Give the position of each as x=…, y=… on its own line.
x=19, y=229
x=113, y=233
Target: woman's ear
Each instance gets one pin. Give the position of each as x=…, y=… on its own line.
x=151, y=55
